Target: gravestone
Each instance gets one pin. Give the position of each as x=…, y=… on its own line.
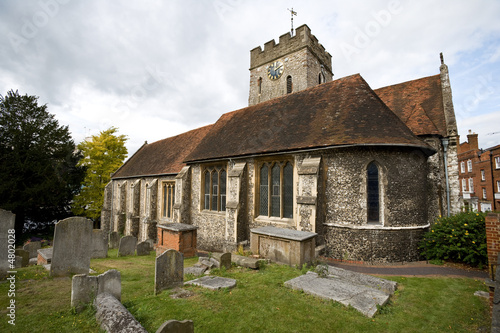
x=213, y=282
x=84, y=288
x=25, y=257
x=222, y=259
x=169, y=270
x=143, y=248
x=32, y=248
x=72, y=247
x=99, y=244
x=7, y=237
x=127, y=246
x=114, y=240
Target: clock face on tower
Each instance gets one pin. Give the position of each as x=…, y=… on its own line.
x=275, y=70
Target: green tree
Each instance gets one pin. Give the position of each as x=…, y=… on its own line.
x=38, y=162
x=102, y=155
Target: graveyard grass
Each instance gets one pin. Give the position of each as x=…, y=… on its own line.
x=259, y=303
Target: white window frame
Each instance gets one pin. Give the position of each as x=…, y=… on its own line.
x=497, y=162
x=469, y=165
x=483, y=175
x=471, y=185
x=464, y=185
x=484, y=193
x=498, y=186
x=462, y=167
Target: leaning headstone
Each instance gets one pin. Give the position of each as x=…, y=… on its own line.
x=7, y=241
x=151, y=243
x=222, y=260
x=114, y=240
x=72, y=247
x=169, y=270
x=195, y=270
x=99, y=244
x=25, y=257
x=127, y=246
x=18, y=262
x=143, y=249
x=32, y=248
x=175, y=326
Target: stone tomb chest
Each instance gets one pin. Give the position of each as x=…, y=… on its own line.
x=284, y=246
x=178, y=236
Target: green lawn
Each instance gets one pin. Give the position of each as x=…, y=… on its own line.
x=259, y=303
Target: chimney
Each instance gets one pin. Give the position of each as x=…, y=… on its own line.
x=472, y=140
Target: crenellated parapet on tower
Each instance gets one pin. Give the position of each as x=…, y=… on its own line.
x=295, y=63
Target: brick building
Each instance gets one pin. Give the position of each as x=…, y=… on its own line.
x=367, y=170
x=479, y=174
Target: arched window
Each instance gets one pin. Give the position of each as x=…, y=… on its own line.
x=289, y=84
x=276, y=190
x=259, y=84
x=214, y=189
x=373, y=193
x=321, y=78
x=168, y=201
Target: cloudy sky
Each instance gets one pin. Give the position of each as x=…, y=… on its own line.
x=155, y=69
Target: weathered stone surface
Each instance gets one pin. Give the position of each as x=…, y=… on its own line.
x=72, y=247
x=25, y=257
x=114, y=240
x=169, y=270
x=7, y=245
x=32, y=248
x=195, y=270
x=222, y=259
x=387, y=286
x=18, y=262
x=99, y=244
x=84, y=288
x=113, y=317
x=213, y=282
x=175, y=326
x=362, y=298
x=45, y=256
x=143, y=248
x=246, y=261
x=127, y=246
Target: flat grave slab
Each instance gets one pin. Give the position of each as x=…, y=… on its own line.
x=213, y=282
x=343, y=290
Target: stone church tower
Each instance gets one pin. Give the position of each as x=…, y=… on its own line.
x=295, y=63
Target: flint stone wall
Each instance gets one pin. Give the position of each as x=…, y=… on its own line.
x=72, y=247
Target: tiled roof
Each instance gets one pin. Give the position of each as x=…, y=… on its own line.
x=162, y=157
x=418, y=103
x=341, y=112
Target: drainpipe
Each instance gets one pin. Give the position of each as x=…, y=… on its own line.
x=445, y=149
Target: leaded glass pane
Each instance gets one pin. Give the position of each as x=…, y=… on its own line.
x=215, y=189
x=207, y=190
x=169, y=199
x=164, y=191
x=264, y=193
x=223, y=190
x=288, y=191
x=275, y=197
x=372, y=192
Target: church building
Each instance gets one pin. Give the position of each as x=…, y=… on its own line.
x=367, y=170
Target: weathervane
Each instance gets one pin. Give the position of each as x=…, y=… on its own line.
x=291, y=14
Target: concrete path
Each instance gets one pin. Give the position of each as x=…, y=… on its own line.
x=420, y=268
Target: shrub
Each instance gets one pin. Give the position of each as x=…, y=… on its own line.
x=458, y=238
